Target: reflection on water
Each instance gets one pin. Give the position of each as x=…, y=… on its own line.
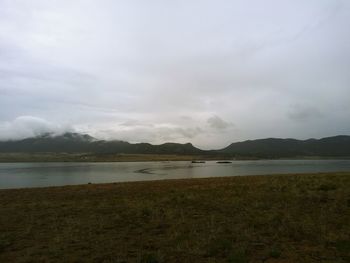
x=17, y=175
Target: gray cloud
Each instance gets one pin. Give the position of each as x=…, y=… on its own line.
x=304, y=113
x=152, y=134
x=159, y=71
x=217, y=123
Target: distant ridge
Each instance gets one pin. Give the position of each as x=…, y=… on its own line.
x=274, y=147
x=83, y=143
x=337, y=146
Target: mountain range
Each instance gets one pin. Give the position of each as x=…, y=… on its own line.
x=336, y=146
x=83, y=143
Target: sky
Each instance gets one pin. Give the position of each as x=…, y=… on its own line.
x=207, y=72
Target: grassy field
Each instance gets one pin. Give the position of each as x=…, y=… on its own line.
x=279, y=218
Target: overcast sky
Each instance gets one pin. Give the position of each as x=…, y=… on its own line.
x=207, y=72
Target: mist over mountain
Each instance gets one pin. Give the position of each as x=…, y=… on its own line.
x=337, y=146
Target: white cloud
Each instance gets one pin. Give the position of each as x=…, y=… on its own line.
x=28, y=126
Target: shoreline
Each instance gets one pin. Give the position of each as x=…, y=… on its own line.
x=88, y=157
x=179, y=180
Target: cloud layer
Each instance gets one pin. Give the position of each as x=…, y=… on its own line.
x=28, y=126
x=159, y=71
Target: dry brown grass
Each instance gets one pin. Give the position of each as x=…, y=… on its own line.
x=279, y=218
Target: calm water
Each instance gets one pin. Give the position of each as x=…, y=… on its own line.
x=18, y=175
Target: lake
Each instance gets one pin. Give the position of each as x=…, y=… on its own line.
x=19, y=175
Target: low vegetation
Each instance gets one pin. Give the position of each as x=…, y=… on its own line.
x=279, y=218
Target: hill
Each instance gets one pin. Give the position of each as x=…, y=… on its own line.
x=272, y=148
x=83, y=143
x=337, y=146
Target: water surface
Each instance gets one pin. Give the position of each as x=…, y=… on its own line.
x=18, y=175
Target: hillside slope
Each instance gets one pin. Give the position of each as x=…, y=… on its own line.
x=272, y=147
x=82, y=143
x=337, y=146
